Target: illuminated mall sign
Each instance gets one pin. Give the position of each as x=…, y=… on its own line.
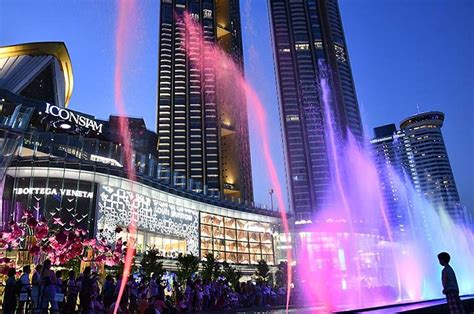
x=53, y=191
x=73, y=117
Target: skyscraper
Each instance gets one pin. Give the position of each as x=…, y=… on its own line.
x=308, y=40
x=203, y=140
x=416, y=154
x=390, y=159
x=428, y=162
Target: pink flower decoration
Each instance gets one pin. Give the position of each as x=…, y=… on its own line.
x=61, y=237
x=34, y=250
x=41, y=231
x=32, y=222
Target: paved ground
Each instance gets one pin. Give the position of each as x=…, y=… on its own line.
x=428, y=307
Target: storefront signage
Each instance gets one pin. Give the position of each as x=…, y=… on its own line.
x=153, y=215
x=53, y=191
x=74, y=117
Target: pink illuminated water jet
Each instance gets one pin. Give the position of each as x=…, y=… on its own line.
x=226, y=70
x=126, y=10
x=409, y=267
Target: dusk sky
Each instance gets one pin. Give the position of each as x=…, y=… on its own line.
x=406, y=55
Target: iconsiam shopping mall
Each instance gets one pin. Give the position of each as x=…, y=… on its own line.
x=61, y=163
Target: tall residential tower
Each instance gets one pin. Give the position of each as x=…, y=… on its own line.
x=203, y=139
x=308, y=40
x=428, y=162
x=416, y=155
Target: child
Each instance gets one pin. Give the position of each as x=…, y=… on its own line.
x=450, y=284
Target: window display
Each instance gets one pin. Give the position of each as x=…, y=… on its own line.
x=236, y=240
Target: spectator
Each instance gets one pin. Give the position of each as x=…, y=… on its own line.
x=108, y=291
x=47, y=288
x=35, y=287
x=9, y=296
x=25, y=289
x=85, y=293
x=72, y=290
x=450, y=284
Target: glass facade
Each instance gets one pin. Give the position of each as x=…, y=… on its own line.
x=309, y=44
x=202, y=137
x=70, y=200
x=169, y=247
x=236, y=240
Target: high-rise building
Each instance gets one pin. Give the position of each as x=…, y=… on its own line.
x=415, y=154
x=390, y=159
x=428, y=162
x=203, y=139
x=309, y=43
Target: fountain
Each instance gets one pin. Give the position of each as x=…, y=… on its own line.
x=362, y=263
x=348, y=257
x=125, y=20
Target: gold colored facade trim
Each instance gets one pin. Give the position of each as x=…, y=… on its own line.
x=56, y=49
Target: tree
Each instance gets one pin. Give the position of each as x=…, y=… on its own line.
x=281, y=275
x=210, y=268
x=188, y=264
x=151, y=263
x=231, y=274
x=263, y=271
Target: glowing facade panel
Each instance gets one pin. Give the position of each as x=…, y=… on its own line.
x=153, y=215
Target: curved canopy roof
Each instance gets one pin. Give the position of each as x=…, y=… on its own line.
x=56, y=49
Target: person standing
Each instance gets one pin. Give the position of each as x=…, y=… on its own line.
x=48, y=288
x=72, y=290
x=25, y=289
x=450, y=285
x=9, y=295
x=35, y=288
x=85, y=294
x=108, y=291
x=152, y=288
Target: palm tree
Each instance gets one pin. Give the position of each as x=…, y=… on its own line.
x=188, y=264
x=232, y=275
x=210, y=268
x=151, y=264
x=263, y=271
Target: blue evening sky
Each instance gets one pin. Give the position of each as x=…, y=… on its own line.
x=405, y=54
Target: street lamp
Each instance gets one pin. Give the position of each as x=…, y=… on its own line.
x=271, y=198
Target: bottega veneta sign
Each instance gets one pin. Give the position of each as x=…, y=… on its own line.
x=74, y=117
x=53, y=191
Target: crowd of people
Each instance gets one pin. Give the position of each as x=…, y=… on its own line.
x=46, y=291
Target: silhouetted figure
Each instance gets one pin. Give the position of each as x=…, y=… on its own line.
x=9, y=295
x=450, y=285
x=85, y=294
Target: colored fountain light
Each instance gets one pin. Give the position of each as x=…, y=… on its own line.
x=228, y=72
x=347, y=254
x=350, y=257
x=126, y=18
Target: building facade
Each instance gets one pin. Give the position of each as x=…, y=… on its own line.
x=415, y=158
x=428, y=162
x=69, y=165
x=203, y=135
x=390, y=158
x=309, y=44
